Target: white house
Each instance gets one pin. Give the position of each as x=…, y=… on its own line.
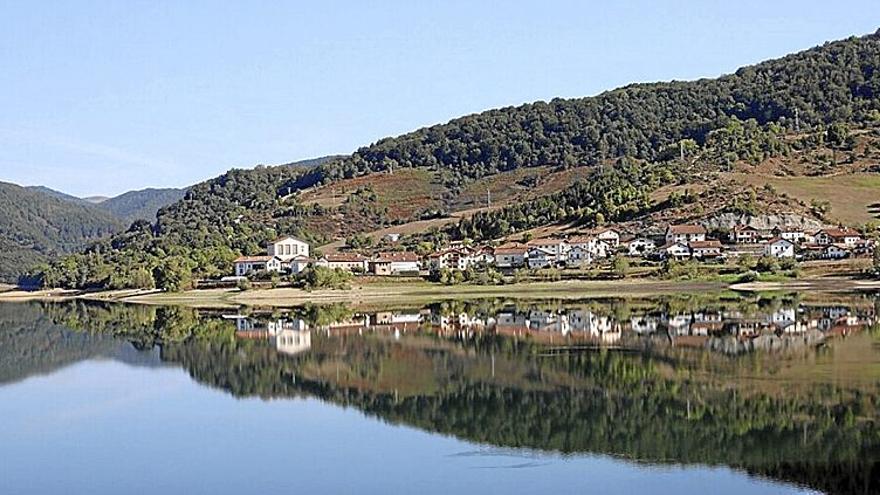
x=675, y=250
x=453, y=259
x=641, y=246
x=607, y=235
x=792, y=234
x=705, y=249
x=394, y=263
x=843, y=235
x=835, y=252
x=351, y=262
x=248, y=264
x=287, y=247
x=685, y=233
x=779, y=247
x=297, y=264
x=539, y=257
x=597, y=248
x=745, y=234
x=558, y=247
x=510, y=256
x=579, y=256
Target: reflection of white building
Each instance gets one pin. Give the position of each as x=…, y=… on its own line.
x=291, y=341
x=643, y=325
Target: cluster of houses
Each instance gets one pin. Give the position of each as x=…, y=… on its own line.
x=291, y=255
x=684, y=241
x=728, y=330
x=788, y=242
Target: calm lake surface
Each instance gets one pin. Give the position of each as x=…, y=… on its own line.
x=681, y=394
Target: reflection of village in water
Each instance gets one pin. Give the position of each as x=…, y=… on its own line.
x=728, y=331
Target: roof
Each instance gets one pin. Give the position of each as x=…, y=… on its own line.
x=841, y=232
x=252, y=259
x=744, y=228
x=711, y=243
x=545, y=242
x=688, y=228
x=287, y=237
x=403, y=256
x=779, y=239
x=344, y=258
x=541, y=250
x=581, y=239
x=511, y=250
x=670, y=245
x=602, y=230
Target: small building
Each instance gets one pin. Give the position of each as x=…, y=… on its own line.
x=792, y=234
x=607, y=235
x=579, y=256
x=839, y=235
x=510, y=256
x=539, y=257
x=558, y=247
x=287, y=247
x=351, y=262
x=453, y=259
x=297, y=264
x=391, y=237
x=250, y=264
x=399, y=263
x=709, y=249
x=641, y=246
x=675, y=250
x=685, y=233
x=779, y=247
x=596, y=247
x=745, y=234
x=836, y=251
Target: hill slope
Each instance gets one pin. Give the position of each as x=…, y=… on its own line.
x=629, y=143
x=140, y=205
x=36, y=227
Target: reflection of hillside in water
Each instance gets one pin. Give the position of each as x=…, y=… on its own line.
x=656, y=381
x=728, y=331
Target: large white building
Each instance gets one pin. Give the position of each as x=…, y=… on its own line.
x=284, y=254
x=287, y=248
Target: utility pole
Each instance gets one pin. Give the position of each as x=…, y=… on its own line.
x=488, y=198
x=681, y=150
x=797, y=121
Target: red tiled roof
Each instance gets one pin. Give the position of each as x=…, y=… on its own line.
x=401, y=256
x=345, y=258
x=711, y=243
x=545, y=242
x=511, y=250
x=252, y=259
x=841, y=232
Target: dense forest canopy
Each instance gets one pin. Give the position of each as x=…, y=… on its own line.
x=35, y=226
x=737, y=116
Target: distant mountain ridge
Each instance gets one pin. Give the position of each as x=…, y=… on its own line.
x=142, y=204
x=38, y=226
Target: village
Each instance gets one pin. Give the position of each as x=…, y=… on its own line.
x=582, y=250
x=726, y=331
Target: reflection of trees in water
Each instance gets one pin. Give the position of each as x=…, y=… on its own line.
x=666, y=405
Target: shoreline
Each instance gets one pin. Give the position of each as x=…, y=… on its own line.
x=426, y=292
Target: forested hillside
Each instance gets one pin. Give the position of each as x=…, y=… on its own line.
x=140, y=205
x=36, y=227
x=632, y=141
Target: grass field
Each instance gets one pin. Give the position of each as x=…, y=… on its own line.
x=855, y=198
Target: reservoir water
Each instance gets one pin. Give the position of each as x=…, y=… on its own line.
x=682, y=394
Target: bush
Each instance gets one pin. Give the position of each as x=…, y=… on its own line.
x=320, y=277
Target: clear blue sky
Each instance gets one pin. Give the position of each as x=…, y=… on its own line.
x=103, y=97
